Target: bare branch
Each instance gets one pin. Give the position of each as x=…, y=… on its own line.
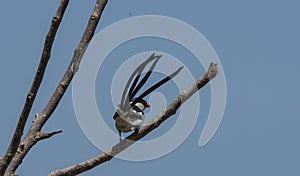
x=159, y=119
x=45, y=135
x=73, y=66
x=29, y=140
x=13, y=146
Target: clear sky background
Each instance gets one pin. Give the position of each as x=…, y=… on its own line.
x=256, y=41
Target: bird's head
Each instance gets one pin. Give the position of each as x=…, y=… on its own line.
x=141, y=104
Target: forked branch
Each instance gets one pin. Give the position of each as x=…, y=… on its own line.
x=15, y=142
x=32, y=137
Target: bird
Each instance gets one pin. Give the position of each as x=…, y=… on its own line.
x=129, y=116
x=132, y=119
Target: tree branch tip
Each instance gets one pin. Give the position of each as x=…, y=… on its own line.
x=212, y=65
x=213, y=69
x=46, y=135
x=56, y=132
x=60, y=131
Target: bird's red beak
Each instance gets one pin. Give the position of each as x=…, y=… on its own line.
x=147, y=105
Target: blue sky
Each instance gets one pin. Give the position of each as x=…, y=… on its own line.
x=258, y=46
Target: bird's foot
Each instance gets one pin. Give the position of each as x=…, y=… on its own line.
x=136, y=130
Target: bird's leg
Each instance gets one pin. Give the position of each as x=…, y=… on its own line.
x=120, y=138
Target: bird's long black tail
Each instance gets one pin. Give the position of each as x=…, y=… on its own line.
x=128, y=95
x=160, y=83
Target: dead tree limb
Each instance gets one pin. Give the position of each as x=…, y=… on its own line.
x=15, y=142
x=35, y=130
x=159, y=119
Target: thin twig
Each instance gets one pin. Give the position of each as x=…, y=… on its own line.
x=159, y=119
x=30, y=140
x=46, y=135
x=13, y=146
